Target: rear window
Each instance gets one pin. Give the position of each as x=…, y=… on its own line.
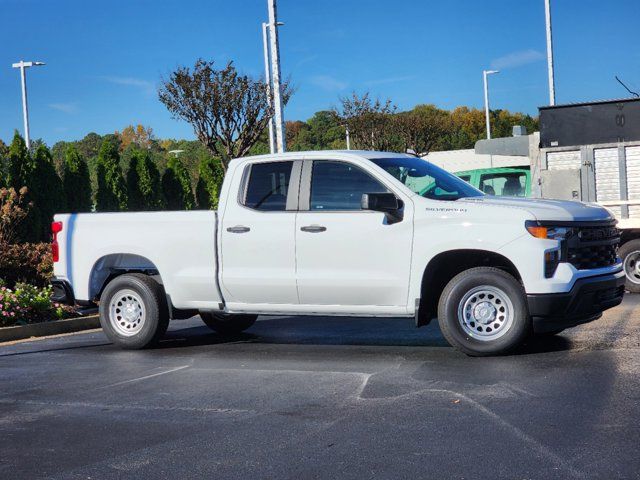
x=268, y=186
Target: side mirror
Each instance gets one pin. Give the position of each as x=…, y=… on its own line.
x=386, y=203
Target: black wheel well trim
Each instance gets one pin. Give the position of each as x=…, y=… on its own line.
x=446, y=265
x=104, y=274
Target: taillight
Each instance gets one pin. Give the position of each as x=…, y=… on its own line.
x=56, y=227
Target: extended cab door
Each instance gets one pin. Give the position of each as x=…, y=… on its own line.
x=349, y=260
x=257, y=249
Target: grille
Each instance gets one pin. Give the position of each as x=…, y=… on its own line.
x=593, y=247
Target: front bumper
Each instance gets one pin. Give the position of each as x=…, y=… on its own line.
x=585, y=302
x=62, y=291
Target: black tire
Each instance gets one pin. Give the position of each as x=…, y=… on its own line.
x=226, y=323
x=627, y=249
x=154, y=312
x=459, y=289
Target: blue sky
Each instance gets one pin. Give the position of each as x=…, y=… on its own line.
x=105, y=59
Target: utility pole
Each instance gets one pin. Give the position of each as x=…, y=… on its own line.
x=275, y=77
x=22, y=65
x=267, y=77
x=552, y=88
x=486, y=73
x=348, y=139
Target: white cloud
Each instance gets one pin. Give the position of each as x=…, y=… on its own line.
x=327, y=82
x=517, y=59
x=64, y=107
x=145, y=86
x=387, y=80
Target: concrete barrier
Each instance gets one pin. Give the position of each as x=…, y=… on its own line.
x=44, y=329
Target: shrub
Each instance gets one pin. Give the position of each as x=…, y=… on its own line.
x=143, y=183
x=111, y=195
x=76, y=181
x=176, y=186
x=210, y=175
x=14, y=208
x=26, y=262
x=28, y=304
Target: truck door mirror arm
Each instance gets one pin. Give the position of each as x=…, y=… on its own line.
x=386, y=203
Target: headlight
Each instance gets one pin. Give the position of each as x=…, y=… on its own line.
x=548, y=233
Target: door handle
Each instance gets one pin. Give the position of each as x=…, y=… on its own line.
x=238, y=229
x=313, y=228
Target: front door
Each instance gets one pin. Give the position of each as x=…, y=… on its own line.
x=258, y=238
x=348, y=258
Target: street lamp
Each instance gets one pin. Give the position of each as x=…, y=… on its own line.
x=278, y=120
x=267, y=75
x=485, y=73
x=22, y=65
x=552, y=86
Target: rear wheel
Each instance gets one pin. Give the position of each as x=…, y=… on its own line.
x=482, y=311
x=226, y=323
x=133, y=311
x=630, y=255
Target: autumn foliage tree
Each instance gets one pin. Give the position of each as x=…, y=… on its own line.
x=228, y=111
x=139, y=135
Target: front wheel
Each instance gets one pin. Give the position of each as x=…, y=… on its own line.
x=630, y=255
x=483, y=311
x=226, y=323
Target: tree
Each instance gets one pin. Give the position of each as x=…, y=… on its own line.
x=228, y=111
x=47, y=193
x=4, y=163
x=76, y=181
x=210, y=176
x=176, y=186
x=139, y=135
x=111, y=195
x=370, y=122
x=422, y=128
x=20, y=165
x=143, y=183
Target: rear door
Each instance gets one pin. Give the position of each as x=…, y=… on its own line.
x=258, y=237
x=348, y=258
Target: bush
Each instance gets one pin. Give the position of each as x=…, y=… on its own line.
x=111, y=195
x=14, y=208
x=76, y=181
x=210, y=175
x=28, y=304
x=176, y=186
x=26, y=262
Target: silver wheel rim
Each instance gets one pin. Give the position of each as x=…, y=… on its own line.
x=126, y=312
x=485, y=313
x=632, y=267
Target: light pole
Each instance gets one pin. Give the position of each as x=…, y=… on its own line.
x=485, y=73
x=22, y=65
x=275, y=77
x=552, y=87
x=267, y=77
x=346, y=127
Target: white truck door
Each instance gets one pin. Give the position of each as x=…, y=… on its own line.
x=258, y=236
x=348, y=258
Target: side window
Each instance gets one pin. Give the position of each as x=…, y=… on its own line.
x=268, y=186
x=339, y=186
x=510, y=184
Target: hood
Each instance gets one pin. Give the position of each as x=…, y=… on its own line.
x=547, y=210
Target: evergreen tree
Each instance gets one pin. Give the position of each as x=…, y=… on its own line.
x=210, y=175
x=111, y=195
x=76, y=181
x=20, y=165
x=176, y=186
x=47, y=193
x=143, y=183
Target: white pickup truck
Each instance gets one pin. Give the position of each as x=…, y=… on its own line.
x=346, y=233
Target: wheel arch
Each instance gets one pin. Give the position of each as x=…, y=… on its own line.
x=446, y=265
x=112, y=265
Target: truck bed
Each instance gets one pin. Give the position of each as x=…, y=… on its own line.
x=179, y=246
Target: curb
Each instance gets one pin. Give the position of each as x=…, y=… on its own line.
x=20, y=332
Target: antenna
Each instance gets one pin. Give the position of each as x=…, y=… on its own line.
x=627, y=88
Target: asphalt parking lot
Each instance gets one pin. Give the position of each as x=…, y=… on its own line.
x=304, y=398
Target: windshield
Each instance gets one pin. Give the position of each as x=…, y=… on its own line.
x=426, y=179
